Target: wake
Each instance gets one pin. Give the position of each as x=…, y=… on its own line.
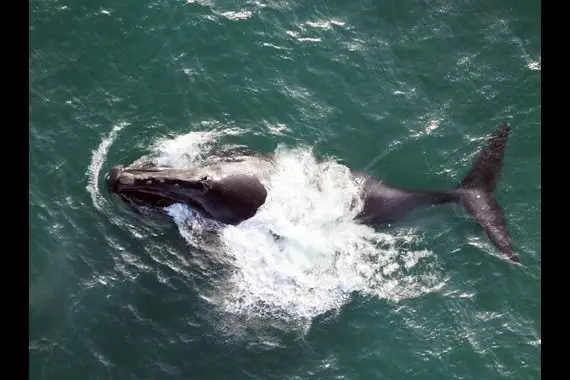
x=98, y=158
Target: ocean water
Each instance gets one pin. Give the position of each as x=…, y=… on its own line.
x=407, y=91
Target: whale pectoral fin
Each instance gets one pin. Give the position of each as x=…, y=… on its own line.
x=236, y=197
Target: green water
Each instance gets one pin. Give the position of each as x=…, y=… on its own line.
x=406, y=90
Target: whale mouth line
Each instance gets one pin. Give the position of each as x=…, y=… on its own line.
x=159, y=200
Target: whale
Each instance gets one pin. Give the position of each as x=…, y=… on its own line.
x=228, y=188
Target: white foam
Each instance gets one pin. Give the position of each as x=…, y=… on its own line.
x=239, y=15
x=98, y=158
x=194, y=228
x=321, y=256
x=183, y=151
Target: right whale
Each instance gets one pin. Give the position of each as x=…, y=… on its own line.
x=229, y=189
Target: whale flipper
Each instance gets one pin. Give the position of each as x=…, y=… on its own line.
x=474, y=192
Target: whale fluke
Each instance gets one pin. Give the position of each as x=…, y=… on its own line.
x=474, y=192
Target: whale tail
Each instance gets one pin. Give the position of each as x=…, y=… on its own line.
x=474, y=192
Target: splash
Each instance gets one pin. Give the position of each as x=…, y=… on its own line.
x=195, y=229
x=302, y=255
x=322, y=256
x=98, y=158
x=185, y=150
